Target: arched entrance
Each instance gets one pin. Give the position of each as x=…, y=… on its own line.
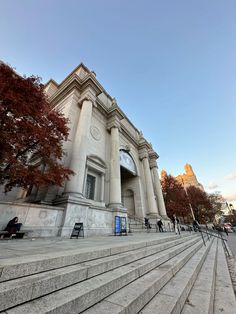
x=128, y=181
x=128, y=202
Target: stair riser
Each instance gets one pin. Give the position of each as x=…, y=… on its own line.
x=96, y=268
x=44, y=284
x=224, y=301
x=201, y=297
x=41, y=264
x=128, y=302
x=121, y=277
x=181, y=301
x=139, y=303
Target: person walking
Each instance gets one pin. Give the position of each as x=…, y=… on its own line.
x=160, y=225
x=147, y=224
x=195, y=225
x=226, y=231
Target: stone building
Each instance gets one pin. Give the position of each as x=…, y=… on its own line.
x=189, y=178
x=116, y=172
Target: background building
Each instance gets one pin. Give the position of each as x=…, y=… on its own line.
x=189, y=178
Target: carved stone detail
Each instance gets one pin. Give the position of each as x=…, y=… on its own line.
x=95, y=132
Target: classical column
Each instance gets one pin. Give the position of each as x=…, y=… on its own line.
x=115, y=181
x=71, y=112
x=158, y=191
x=152, y=206
x=102, y=187
x=79, y=154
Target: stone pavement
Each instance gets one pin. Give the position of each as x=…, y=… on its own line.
x=17, y=248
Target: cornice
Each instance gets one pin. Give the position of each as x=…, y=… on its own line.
x=143, y=144
x=101, y=107
x=51, y=81
x=61, y=93
x=89, y=80
x=128, y=135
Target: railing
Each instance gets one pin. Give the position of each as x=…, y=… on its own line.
x=212, y=233
x=139, y=221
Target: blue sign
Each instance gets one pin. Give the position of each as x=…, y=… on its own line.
x=120, y=225
x=117, y=224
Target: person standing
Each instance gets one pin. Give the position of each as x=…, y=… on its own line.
x=195, y=225
x=175, y=221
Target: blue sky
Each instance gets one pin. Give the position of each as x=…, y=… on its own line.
x=175, y=59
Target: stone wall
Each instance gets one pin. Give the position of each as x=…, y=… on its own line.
x=38, y=220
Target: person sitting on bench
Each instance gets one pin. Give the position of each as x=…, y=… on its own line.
x=13, y=226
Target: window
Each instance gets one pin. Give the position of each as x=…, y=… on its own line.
x=90, y=187
x=94, y=179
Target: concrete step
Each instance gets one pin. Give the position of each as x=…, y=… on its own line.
x=79, y=297
x=224, y=301
x=133, y=297
x=171, y=298
x=20, y=290
x=28, y=265
x=201, y=297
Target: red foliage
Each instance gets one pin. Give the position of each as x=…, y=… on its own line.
x=201, y=204
x=175, y=197
x=29, y=127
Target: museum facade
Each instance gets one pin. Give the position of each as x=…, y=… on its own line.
x=116, y=172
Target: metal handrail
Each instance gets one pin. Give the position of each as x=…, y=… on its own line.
x=213, y=233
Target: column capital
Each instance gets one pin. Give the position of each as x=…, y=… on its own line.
x=153, y=163
x=143, y=154
x=86, y=98
x=113, y=122
x=152, y=154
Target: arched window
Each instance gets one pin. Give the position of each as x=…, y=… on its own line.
x=126, y=161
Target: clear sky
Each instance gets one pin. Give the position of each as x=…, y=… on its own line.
x=171, y=65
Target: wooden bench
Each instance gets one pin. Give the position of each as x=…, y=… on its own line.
x=17, y=235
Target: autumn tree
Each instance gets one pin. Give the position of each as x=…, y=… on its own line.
x=217, y=201
x=175, y=198
x=32, y=134
x=201, y=204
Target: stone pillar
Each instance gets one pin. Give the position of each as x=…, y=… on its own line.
x=102, y=187
x=71, y=112
x=79, y=154
x=158, y=191
x=152, y=206
x=115, y=181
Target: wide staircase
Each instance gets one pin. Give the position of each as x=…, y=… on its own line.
x=169, y=274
